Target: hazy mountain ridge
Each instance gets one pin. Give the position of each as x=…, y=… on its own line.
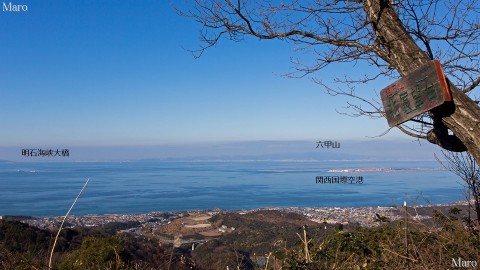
x=405, y=150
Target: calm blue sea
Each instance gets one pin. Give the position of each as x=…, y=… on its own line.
x=48, y=189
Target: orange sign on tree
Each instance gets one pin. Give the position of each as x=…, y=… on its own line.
x=422, y=90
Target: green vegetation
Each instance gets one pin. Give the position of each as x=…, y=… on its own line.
x=386, y=247
x=96, y=252
x=263, y=240
x=25, y=247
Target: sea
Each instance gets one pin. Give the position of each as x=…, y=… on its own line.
x=49, y=189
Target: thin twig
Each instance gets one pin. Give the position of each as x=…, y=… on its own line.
x=268, y=259
x=63, y=221
x=171, y=257
x=399, y=255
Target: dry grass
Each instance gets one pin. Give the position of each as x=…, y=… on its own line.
x=63, y=222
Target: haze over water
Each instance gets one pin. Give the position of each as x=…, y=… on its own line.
x=48, y=189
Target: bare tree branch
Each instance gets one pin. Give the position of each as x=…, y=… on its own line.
x=395, y=37
x=472, y=86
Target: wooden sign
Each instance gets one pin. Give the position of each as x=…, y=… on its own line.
x=420, y=91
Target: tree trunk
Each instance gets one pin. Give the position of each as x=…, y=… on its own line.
x=462, y=116
x=464, y=122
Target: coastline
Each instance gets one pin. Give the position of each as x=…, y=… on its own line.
x=363, y=216
x=196, y=233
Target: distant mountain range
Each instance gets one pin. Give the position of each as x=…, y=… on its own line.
x=253, y=150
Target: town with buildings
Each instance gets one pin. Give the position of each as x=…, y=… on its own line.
x=197, y=226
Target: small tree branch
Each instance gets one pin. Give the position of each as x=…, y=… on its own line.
x=472, y=86
x=63, y=221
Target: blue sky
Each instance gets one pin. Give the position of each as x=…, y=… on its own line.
x=116, y=73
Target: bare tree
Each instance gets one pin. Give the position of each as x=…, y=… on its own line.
x=396, y=37
x=463, y=165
